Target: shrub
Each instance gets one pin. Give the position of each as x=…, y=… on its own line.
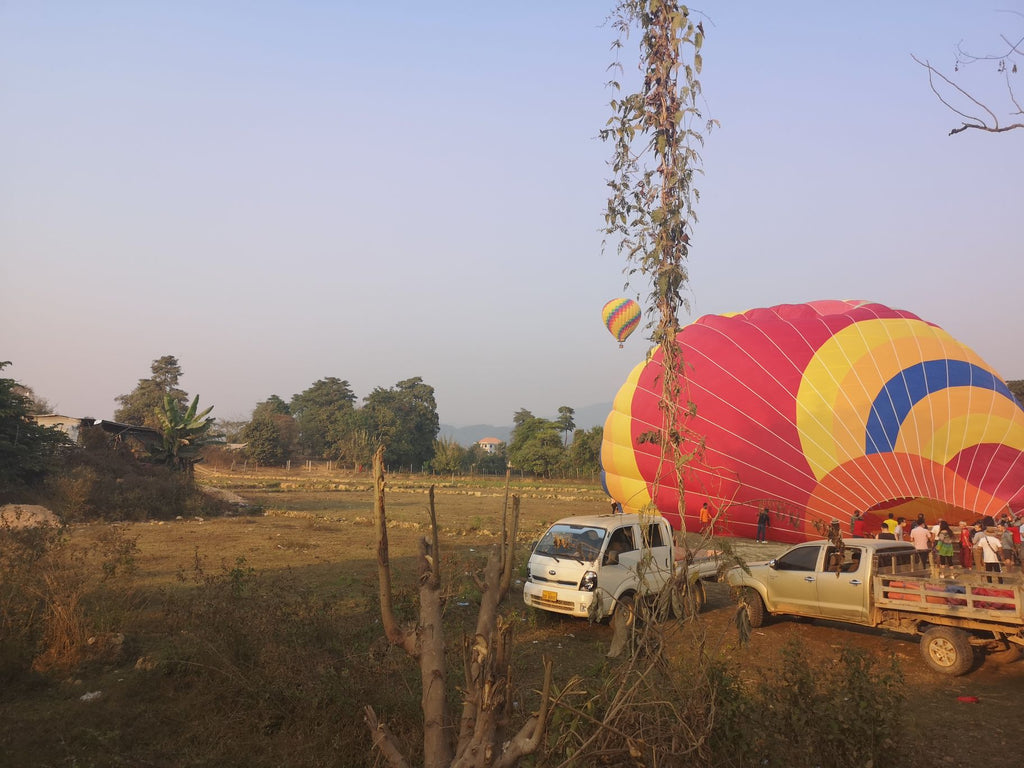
x=695, y=711
x=844, y=712
x=102, y=481
x=283, y=663
x=21, y=553
x=57, y=602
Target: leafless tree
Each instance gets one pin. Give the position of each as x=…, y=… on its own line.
x=977, y=113
x=486, y=706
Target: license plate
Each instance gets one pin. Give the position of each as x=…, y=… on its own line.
x=548, y=596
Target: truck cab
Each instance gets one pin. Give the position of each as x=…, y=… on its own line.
x=819, y=580
x=587, y=565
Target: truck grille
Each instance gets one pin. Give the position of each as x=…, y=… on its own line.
x=563, y=605
x=562, y=583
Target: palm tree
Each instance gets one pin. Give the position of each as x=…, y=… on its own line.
x=183, y=434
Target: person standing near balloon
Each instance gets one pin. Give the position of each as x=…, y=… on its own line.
x=1014, y=526
x=966, y=546
x=991, y=549
x=705, y=519
x=1009, y=551
x=944, y=547
x=764, y=519
x=922, y=540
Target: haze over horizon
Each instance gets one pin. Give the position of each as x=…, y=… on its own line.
x=277, y=194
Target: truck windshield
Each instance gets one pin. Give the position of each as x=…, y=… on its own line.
x=579, y=542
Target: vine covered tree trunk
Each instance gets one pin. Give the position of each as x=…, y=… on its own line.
x=655, y=133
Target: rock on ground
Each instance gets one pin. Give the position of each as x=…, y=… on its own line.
x=26, y=516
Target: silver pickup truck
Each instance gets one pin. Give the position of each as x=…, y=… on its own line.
x=885, y=584
x=587, y=566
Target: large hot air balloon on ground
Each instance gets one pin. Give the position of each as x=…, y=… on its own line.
x=818, y=410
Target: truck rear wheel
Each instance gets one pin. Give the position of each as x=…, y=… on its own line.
x=947, y=650
x=752, y=601
x=689, y=600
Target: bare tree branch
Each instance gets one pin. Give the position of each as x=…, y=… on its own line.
x=406, y=638
x=529, y=737
x=510, y=531
x=383, y=739
x=1006, y=66
x=1001, y=129
x=424, y=641
x=932, y=74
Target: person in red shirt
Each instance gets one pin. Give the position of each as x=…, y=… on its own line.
x=966, y=546
x=859, y=525
x=1016, y=528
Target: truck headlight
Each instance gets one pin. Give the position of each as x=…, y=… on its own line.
x=589, y=581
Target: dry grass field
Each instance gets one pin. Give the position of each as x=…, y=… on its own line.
x=255, y=639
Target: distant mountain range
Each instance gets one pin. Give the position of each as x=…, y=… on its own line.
x=585, y=418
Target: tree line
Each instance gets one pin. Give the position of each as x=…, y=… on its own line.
x=538, y=446
x=323, y=422
x=326, y=422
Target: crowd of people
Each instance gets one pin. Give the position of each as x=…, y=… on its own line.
x=989, y=543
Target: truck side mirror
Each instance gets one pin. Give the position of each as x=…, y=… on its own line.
x=772, y=563
x=611, y=557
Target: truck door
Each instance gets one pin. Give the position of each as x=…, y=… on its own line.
x=619, y=563
x=658, y=538
x=843, y=584
x=792, y=581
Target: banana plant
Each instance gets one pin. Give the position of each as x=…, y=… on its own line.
x=184, y=434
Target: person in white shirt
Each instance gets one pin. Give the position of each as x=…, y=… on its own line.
x=990, y=546
x=922, y=539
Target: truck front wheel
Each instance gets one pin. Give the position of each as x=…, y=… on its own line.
x=947, y=650
x=752, y=601
x=625, y=611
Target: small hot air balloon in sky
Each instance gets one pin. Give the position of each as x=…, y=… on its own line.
x=621, y=317
x=816, y=411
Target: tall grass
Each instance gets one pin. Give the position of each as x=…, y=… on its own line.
x=232, y=664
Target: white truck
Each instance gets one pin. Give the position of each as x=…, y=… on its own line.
x=587, y=566
x=885, y=584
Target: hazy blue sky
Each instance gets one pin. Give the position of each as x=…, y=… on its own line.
x=279, y=192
